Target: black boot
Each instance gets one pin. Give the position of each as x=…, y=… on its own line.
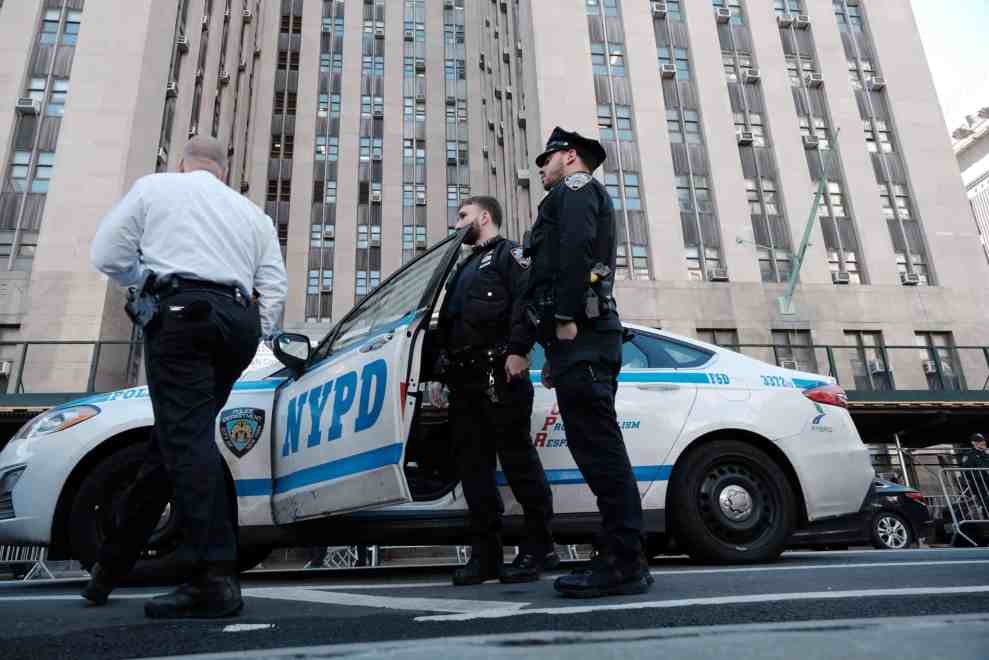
x=606, y=576
x=484, y=564
x=101, y=583
x=529, y=564
x=210, y=596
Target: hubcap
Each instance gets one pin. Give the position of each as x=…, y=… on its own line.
x=736, y=503
x=891, y=532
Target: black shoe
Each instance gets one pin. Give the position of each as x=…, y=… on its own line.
x=209, y=597
x=605, y=577
x=528, y=566
x=101, y=583
x=479, y=569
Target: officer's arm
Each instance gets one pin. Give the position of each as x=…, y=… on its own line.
x=115, y=251
x=521, y=337
x=578, y=226
x=270, y=281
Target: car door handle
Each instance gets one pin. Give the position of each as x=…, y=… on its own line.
x=659, y=387
x=377, y=343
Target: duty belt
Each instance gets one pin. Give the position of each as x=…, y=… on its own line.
x=177, y=284
x=479, y=367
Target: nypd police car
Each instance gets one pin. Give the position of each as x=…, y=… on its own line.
x=343, y=444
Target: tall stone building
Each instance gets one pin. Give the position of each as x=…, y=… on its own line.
x=358, y=125
x=971, y=144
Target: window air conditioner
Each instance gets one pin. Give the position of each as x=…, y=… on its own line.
x=224, y=78
x=814, y=79
x=811, y=142
x=374, y=242
x=247, y=15
x=410, y=35
x=659, y=9
x=909, y=279
x=375, y=196
x=667, y=71
x=171, y=90
x=723, y=14
x=784, y=21
x=751, y=76
x=6, y=366
x=745, y=138
x=788, y=363
x=379, y=33
x=930, y=367
x=878, y=83
x=182, y=43
x=522, y=177
x=717, y=274
x=802, y=22
x=521, y=120
x=27, y=106
x=839, y=277
x=877, y=367
x=451, y=101
x=162, y=155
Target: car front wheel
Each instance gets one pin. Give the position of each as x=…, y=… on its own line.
x=731, y=503
x=891, y=532
x=93, y=515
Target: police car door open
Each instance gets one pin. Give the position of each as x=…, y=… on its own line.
x=341, y=428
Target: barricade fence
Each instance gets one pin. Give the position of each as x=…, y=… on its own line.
x=966, y=494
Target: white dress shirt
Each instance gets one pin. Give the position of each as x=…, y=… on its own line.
x=193, y=225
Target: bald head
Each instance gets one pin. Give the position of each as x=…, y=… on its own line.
x=204, y=153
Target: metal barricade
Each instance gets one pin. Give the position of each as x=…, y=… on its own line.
x=966, y=493
x=27, y=555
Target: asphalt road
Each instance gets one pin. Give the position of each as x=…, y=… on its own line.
x=894, y=604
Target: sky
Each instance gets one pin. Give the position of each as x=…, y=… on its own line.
x=955, y=34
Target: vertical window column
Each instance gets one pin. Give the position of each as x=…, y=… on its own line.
x=701, y=230
x=370, y=140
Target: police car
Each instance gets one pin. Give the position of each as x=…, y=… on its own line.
x=341, y=445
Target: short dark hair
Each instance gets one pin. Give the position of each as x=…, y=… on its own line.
x=489, y=204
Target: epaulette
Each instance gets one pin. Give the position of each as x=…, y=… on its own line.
x=577, y=180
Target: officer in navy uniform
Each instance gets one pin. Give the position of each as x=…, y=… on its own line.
x=486, y=340
x=569, y=298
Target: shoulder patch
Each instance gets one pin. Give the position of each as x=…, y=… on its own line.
x=577, y=180
x=523, y=261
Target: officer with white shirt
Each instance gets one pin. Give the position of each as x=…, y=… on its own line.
x=208, y=249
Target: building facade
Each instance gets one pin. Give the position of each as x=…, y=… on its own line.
x=358, y=126
x=971, y=143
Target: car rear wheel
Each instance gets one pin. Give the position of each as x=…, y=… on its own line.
x=891, y=531
x=93, y=514
x=731, y=503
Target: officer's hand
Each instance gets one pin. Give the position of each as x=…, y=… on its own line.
x=516, y=366
x=566, y=331
x=545, y=377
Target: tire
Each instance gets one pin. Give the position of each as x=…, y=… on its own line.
x=91, y=515
x=701, y=519
x=890, y=531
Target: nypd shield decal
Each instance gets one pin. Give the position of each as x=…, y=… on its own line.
x=241, y=429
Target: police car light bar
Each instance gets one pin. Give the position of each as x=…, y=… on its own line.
x=830, y=395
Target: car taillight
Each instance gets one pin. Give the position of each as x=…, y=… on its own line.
x=830, y=395
x=915, y=495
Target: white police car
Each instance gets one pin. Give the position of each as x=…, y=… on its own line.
x=342, y=447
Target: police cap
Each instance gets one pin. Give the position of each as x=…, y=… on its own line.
x=590, y=151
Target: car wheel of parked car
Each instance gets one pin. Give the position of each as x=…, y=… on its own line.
x=731, y=503
x=93, y=513
x=891, y=532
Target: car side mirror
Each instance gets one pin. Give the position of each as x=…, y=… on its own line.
x=292, y=350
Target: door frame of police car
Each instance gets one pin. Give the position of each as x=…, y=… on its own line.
x=341, y=425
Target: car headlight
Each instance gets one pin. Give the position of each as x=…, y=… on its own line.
x=56, y=420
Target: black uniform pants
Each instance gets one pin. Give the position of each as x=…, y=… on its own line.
x=585, y=394
x=485, y=432
x=195, y=349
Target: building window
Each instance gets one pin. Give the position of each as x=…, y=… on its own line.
x=288, y=60
x=798, y=67
x=674, y=10
x=325, y=62
x=939, y=360
x=43, y=171
x=19, y=167
x=36, y=89
x=619, y=124
x=794, y=350
x=781, y=7
x=49, y=27
x=719, y=337
x=594, y=7
x=820, y=130
x=367, y=280
x=868, y=360
x=683, y=126
x=602, y=57
x=677, y=57
x=327, y=147
x=877, y=138
x=56, y=104
x=70, y=35
x=849, y=18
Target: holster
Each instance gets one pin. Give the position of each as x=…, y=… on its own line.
x=142, y=304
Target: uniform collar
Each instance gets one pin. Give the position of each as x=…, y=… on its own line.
x=486, y=245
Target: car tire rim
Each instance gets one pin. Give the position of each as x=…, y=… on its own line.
x=164, y=538
x=892, y=533
x=737, y=502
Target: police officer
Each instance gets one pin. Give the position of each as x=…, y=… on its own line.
x=572, y=247
x=204, y=250
x=486, y=338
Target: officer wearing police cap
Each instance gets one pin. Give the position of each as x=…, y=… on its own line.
x=569, y=298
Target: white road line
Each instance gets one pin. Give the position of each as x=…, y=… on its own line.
x=809, y=567
x=296, y=594
x=716, y=600
x=247, y=627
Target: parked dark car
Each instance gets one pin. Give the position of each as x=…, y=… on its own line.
x=892, y=517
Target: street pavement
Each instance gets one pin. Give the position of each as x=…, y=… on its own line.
x=869, y=604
